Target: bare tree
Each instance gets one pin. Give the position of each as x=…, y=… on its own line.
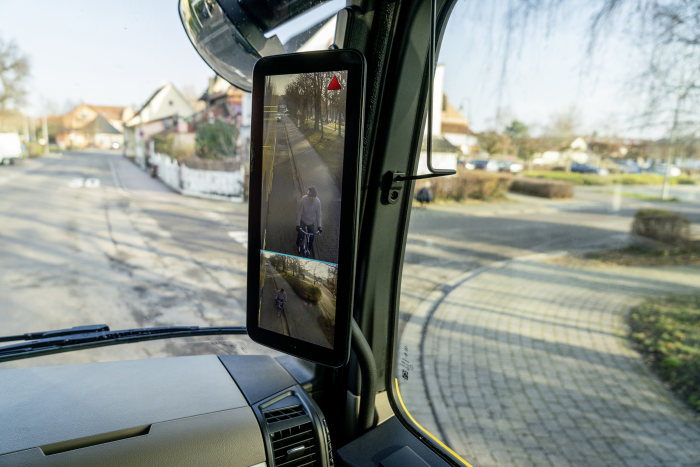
x=666, y=31
x=14, y=70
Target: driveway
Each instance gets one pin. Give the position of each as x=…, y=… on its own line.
x=526, y=362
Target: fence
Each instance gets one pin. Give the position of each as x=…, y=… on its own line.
x=202, y=183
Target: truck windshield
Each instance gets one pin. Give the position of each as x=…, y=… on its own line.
x=550, y=288
x=128, y=204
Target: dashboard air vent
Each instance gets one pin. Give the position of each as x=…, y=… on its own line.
x=277, y=415
x=295, y=446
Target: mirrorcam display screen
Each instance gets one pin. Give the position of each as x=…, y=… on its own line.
x=303, y=141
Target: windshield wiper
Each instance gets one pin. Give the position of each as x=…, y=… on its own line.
x=98, y=335
x=58, y=332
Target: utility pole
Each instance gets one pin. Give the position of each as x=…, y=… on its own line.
x=45, y=128
x=672, y=143
x=669, y=153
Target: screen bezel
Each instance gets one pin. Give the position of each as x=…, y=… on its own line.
x=310, y=62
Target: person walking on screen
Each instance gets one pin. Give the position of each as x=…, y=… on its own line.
x=308, y=217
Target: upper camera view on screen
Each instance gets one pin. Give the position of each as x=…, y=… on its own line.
x=302, y=146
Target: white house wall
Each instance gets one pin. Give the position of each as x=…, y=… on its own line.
x=440, y=160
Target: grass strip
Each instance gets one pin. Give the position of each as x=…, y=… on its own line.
x=645, y=256
x=666, y=331
x=643, y=196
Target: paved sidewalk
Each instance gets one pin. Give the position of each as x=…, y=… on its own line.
x=527, y=363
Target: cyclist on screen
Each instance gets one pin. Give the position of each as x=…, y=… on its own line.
x=308, y=216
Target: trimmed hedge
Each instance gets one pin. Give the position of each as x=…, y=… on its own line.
x=552, y=189
x=470, y=185
x=308, y=292
x=34, y=149
x=661, y=225
x=613, y=179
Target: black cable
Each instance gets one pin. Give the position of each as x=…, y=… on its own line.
x=368, y=370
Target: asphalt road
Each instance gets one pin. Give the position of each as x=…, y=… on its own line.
x=300, y=318
x=296, y=167
x=513, y=354
x=89, y=238
x=445, y=241
x=279, y=214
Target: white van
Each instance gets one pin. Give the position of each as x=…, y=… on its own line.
x=10, y=148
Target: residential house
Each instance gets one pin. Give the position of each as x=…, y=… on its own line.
x=451, y=134
x=576, y=151
x=444, y=155
x=221, y=100
x=90, y=125
x=166, y=111
x=454, y=127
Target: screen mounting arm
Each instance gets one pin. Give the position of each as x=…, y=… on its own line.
x=368, y=370
x=399, y=177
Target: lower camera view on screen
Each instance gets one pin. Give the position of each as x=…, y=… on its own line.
x=302, y=169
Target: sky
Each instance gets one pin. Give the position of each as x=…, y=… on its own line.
x=549, y=71
x=102, y=53
x=119, y=53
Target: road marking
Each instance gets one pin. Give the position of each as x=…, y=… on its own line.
x=215, y=216
x=84, y=183
x=92, y=182
x=239, y=236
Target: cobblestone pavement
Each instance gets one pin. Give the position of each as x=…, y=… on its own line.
x=526, y=362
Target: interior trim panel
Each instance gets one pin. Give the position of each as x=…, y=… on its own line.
x=172, y=411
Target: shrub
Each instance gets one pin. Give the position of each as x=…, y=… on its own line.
x=571, y=177
x=621, y=179
x=216, y=140
x=474, y=185
x=163, y=144
x=302, y=288
x=665, y=226
x=552, y=189
x=34, y=148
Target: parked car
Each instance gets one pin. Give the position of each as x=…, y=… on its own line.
x=584, y=168
x=628, y=167
x=510, y=166
x=660, y=169
x=10, y=148
x=469, y=165
x=486, y=164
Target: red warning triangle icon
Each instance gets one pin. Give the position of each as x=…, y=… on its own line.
x=335, y=85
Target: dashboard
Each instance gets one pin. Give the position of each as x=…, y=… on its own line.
x=244, y=410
